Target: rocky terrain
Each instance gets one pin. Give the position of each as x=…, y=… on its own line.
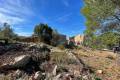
x=30, y=61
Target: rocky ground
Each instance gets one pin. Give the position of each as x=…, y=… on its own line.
x=32, y=61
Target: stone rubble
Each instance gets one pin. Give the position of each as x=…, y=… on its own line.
x=33, y=63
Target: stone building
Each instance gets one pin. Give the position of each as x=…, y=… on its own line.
x=79, y=39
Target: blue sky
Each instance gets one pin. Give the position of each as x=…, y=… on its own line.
x=63, y=15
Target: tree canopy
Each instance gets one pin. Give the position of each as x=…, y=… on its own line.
x=7, y=32
x=44, y=32
x=102, y=20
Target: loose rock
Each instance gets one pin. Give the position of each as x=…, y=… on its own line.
x=21, y=61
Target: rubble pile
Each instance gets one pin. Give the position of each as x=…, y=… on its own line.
x=10, y=47
x=32, y=62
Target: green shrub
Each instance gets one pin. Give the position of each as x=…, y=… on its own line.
x=98, y=79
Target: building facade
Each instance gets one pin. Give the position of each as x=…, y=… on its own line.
x=79, y=39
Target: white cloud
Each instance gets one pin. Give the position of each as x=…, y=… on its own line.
x=20, y=31
x=10, y=19
x=24, y=33
x=64, y=17
x=14, y=11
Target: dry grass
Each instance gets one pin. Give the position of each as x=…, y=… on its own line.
x=112, y=57
x=98, y=60
x=11, y=77
x=62, y=47
x=102, y=60
x=62, y=58
x=5, y=77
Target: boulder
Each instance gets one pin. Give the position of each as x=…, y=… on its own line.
x=99, y=71
x=18, y=74
x=66, y=77
x=5, y=67
x=32, y=48
x=57, y=77
x=76, y=73
x=39, y=76
x=21, y=61
x=38, y=48
x=54, y=72
x=85, y=77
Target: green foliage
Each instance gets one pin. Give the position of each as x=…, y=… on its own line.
x=44, y=32
x=99, y=9
x=7, y=32
x=97, y=12
x=98, y=79
x=109, y=38
x=105, y=40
